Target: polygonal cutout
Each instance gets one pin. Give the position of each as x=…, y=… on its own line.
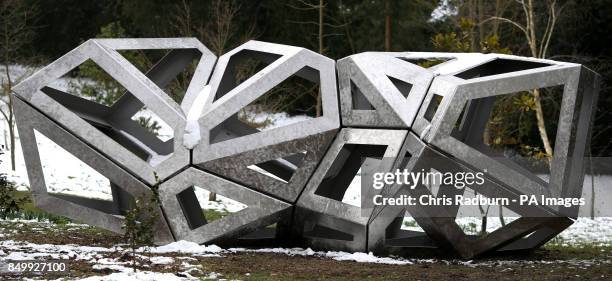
x=200, y=210
x=481, y=219
x=76, y=182
x=320, y=231
x=403, y=86
x=88, y=81
x=291, y=101
x=154, y=125
x=352, y=196
x=266, y=233
x=409, y=223
x=545, y=232
x=360, y=102
x=426, y=62
x=435, y=102
x=171, y=70
x=241, y=66
x=343, y=172
x=499, y=66
x=434, y=183
x=93, y=100
x=71, y=177
x=281, y=169
x=505, y=127
x=404, y=231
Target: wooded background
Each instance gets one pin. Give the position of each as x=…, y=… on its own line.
x=35, y=32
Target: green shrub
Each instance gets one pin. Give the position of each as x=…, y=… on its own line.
x=140, y=220
x=9, y=203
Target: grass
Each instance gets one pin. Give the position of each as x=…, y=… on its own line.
x=29, y=212
x=213, y=215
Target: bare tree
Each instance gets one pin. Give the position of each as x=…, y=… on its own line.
x=321, y=23
x=538, y=43
x=346, y=24
x=16, y=32
x=218, y=33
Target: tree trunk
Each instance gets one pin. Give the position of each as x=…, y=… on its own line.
x=9, y=118
x=481, y=34
x=472, y=16
x=483, y=226
x=541, y=125
x=12, y=137
x=321, y=49
x=592, y=183
x=387, y=25
x=212, y=196
x=501, y=215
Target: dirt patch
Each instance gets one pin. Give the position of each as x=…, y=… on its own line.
x=251, y=266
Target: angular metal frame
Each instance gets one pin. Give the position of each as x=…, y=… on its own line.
x=371, y=73
x=95, y=212
x=438, y=222
x=261, y=210
x=386, y=99
x=314, y=210
x=241, y=145
x=578, y=102
x=70, y=110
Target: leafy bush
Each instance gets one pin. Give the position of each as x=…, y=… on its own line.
x=9, y=203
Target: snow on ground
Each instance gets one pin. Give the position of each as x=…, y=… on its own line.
x=140, y=275
x=98, y=256
x=339, y=256
x=185, y=247
x=271, y=120
x=102, y=258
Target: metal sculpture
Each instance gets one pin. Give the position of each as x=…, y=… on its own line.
x=413, y=111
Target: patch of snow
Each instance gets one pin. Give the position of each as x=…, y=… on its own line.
x=222, y=204
x=213, y=276
x=352, y=196
x=187, y=247
x=20, y=256
x=284, y=251
x=192, y=137
x=161, y=260
x=72, y=177
x=271, y=119
x=29, y=251
x=165, y=132
x=197, y=107
x=113, y=267
x=340, y=256
x=586, y=230
x=366, y=258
